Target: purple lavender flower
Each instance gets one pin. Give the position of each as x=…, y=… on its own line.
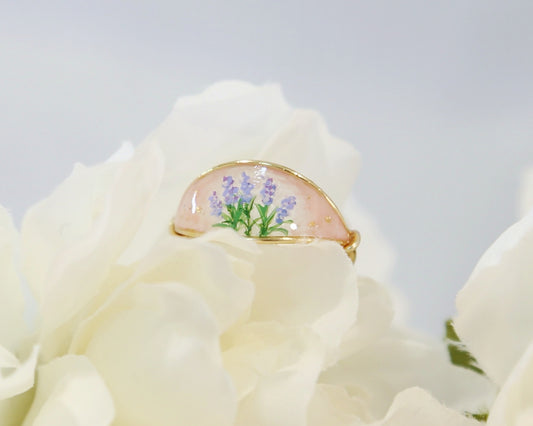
x=227, y=181
x=231, y=193
x=287, y=204
x=268, y=191
x=215, y=204
x=246, y=188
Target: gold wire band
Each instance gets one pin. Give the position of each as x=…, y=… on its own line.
x=350, y=248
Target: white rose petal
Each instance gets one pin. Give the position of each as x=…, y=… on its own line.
x=416, y=407
x=235, y=245
x=157, y=347
x=399, y=361
x=18, y=378
x=228, y=121
x=305, y=145
x=333, y=406
x=70, y=392
x=514, y=404
x=494, y=318
x=306, y=285
x=375, y=255
x=275, y=369
x=12, y=311
x=525, y=418
x=14, y=410
x=7, y=359
x=374, y=317
x=69, y=214
x=16, y=381
x=205, y=267
x=77, y=273
x=124, y=153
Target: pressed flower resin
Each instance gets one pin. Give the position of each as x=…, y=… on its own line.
x=260, y=200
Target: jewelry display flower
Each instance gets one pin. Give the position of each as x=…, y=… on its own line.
x=136, y=326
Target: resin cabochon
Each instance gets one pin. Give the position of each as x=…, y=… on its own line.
x=313, y=215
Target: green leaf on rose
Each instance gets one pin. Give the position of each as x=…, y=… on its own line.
x=458, y=352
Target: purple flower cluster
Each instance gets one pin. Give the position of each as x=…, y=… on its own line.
x=287, y=204
x=268, y=191
x=246, y=188
x=231, y=193
x=239, y=211
x=215, y=204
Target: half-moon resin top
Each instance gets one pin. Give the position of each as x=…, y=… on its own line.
x=260, y=200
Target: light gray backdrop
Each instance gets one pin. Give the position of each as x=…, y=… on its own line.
x=436, y=95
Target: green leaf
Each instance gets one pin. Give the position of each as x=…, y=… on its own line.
x=223, y=225
x=481, y=416
x=458, y=352
x=277, y=229
x=262, y=210
x=270, y=217
x=226, y=217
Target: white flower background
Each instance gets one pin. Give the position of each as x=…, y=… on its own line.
x=436, y=97
x=107, y=319
x=136, y=326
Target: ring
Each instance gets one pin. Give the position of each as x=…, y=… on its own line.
x=263, y=201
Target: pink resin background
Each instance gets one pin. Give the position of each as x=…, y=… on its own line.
x=313, y=215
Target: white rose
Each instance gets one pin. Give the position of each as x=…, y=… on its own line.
x=495, y=319
x=138, y=327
